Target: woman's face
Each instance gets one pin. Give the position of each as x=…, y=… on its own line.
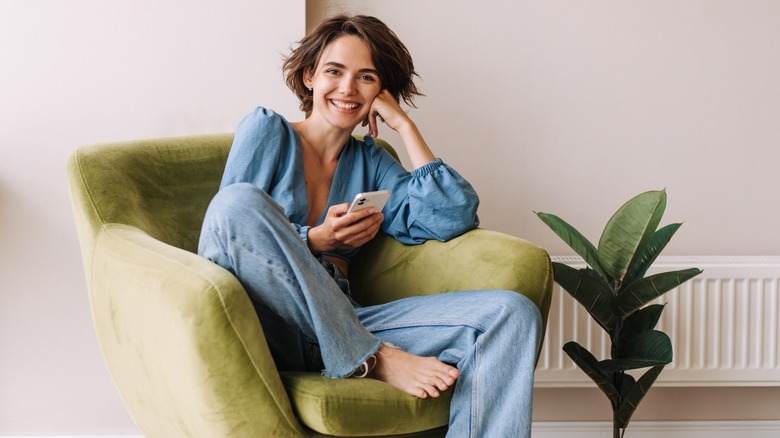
x=345, y=82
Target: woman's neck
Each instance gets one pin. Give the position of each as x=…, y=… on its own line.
x=324, y=139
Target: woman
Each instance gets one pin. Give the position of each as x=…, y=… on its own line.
x=279, y=224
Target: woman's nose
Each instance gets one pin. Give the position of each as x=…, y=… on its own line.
x=347, y=86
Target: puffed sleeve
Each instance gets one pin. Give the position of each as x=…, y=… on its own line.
x=432, y=202
x=264, y=154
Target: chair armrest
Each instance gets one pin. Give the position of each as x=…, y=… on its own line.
x=182, y=341
x=387, y=270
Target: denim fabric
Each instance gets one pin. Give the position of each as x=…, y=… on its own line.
x=246, y=232
x=309, y=322
x=336, y=275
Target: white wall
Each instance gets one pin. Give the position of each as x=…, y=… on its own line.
x=572, y=107
x=84, y=71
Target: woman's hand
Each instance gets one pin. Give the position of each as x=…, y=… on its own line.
x=386, y=108
x=344, y=231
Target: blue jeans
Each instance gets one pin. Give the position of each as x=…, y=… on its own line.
x=491, y=336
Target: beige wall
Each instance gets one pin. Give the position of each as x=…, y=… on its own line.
x=83, y=71
x=572, y=107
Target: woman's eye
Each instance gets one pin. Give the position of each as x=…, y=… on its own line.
x=332, y=71
x=368, y=78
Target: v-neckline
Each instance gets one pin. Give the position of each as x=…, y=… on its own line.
x=335, y=185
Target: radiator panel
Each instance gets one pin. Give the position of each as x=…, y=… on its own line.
x=724, y=326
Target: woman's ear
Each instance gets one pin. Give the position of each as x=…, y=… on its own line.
x=307, y=77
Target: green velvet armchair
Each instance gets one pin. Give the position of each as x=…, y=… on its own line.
x=180, y=336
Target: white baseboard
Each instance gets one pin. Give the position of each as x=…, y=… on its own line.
x=660, y=429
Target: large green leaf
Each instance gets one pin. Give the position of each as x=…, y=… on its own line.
x=657, y=243
x=597, y=298
x=588, y=363
x=651, y=345
x=575, y=240
x=629, y=229
x=647, y=289
x=626, y=384
x=642, y=320
x=637, y=393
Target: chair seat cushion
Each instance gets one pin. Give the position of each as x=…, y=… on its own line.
x=360, y=407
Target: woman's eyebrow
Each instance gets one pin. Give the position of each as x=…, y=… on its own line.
x=342, y=66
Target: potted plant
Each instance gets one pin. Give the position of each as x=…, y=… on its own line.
x=614, y=290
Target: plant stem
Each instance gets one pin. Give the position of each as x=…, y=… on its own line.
x=617, y=379
x=615, y=409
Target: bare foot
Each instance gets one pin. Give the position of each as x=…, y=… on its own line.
x=418, y=376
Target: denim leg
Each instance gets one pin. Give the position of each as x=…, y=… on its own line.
x=246, y=232
x=491, y=336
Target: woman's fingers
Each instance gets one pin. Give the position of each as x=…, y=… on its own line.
x=353, y=229
x=385, y=108
x=373, y=129
x=361, y=230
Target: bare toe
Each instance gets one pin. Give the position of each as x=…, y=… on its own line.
x=419, y=376
x=442, y=385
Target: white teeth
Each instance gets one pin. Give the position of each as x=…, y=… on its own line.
x=344, y=106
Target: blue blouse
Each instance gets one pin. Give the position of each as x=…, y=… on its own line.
x=431, y=202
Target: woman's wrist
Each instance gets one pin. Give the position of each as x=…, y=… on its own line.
x=315, y=242
x=419, y=152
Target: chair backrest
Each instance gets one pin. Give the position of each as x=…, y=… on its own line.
x=162, y=186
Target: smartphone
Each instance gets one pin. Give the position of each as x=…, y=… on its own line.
x=376, y=199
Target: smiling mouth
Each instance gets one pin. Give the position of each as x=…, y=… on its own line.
x=344, y=105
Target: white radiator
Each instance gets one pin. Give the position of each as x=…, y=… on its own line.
x=724, y=325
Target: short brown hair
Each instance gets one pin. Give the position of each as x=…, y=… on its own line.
x=389, y=55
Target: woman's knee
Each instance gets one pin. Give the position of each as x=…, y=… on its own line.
x=239, y=212
x=238, y=203
x=519, y=307
x=241, y=196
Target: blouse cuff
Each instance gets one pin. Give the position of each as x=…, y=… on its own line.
x=427, y=169
x=304, y=233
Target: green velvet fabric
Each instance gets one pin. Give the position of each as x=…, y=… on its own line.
x=343, y=407
x=179, y=334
